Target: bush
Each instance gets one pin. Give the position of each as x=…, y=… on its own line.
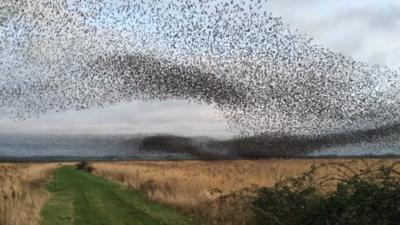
x=84, y=165
x=365, y=197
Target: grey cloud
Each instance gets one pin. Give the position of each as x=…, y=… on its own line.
x=177, y=117
x=383, y=18
x=365, y=30
x=345, y=31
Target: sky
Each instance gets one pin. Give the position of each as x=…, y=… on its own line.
x=366, y=30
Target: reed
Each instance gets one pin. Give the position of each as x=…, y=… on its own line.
x=214, y=191
x=21, y=193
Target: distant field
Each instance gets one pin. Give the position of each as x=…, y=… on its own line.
x=204, y=188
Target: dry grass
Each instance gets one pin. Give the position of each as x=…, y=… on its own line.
x=21, y=195
x=205, y=188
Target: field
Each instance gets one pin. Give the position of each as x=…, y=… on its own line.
x=213, y=191
x=21, y=193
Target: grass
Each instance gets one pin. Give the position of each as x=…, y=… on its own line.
x=80, y=198
x=21, y=195
x=217, y=192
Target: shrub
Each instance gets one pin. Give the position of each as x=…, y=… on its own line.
x=84, y=165
x=365, y=197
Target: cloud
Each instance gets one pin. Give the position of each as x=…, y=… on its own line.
x=365, y=30
x=176, y=117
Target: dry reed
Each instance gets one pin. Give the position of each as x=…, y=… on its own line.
x=21, y=195
x=213, y=191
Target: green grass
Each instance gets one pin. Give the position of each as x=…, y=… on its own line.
x=79, y=198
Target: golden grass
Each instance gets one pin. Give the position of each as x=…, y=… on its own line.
x=200, y=188
x=21, y=195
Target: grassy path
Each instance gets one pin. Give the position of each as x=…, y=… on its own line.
x=78, y=198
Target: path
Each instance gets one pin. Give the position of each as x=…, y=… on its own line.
x=79, y=198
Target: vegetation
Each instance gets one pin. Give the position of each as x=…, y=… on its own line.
x=238, y=192
x=367, y=196
x=217, y=192
x=84, y=165
x=21, y=196
x=80, y=198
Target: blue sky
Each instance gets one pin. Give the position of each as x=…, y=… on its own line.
x=363, y=29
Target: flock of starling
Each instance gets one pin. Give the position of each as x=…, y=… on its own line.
x=261, y=75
